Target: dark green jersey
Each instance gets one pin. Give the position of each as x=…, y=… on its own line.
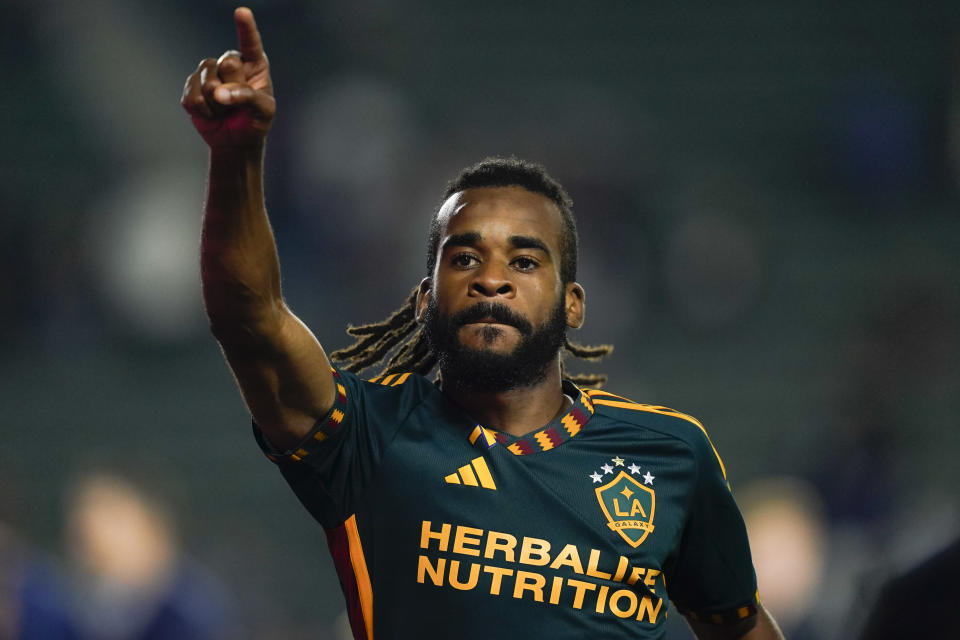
x=441, y=528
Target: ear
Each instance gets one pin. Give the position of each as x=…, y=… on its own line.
x=575, y=307
x=423, y=298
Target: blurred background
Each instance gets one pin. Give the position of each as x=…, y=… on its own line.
x=767, y=196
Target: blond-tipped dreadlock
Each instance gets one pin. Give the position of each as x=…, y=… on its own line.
x=400, y=335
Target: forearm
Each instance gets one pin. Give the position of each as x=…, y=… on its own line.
x=765, y=629
x=281, y=368
x=239, y=265
x=760, y=627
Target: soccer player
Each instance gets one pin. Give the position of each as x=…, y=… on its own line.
x=502, y=500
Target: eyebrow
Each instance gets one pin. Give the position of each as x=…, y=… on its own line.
x=469, y=239
x=529, y=242
x=472, y=239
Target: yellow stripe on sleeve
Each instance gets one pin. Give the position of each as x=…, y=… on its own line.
x=403, y=378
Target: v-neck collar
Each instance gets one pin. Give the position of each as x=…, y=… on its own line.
x=558, y=431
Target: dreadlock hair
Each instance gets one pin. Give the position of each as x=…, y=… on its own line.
x=400, y=344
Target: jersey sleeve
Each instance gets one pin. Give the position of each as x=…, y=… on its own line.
x=712, y=579
x=330, y=469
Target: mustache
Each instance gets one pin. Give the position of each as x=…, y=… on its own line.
x=496, y=311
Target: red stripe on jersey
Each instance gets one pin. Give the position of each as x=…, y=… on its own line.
x=340, y=551
x=525, y=447
x=555, y=437
x=579, y=416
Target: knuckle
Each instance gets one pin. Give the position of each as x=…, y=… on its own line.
x=196, y=105
x=230, y=54
x=208, y=81
x=189, y=92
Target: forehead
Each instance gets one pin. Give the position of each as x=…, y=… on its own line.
x=511, y=210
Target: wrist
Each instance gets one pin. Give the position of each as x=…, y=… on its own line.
x=235, y=170
x=233, y=153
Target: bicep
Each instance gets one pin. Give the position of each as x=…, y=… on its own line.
x=284, y=376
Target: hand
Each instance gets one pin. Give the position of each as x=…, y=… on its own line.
x=230, y=99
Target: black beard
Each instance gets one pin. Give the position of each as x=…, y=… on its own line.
x=479, y=370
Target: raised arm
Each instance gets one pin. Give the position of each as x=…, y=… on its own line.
x=280, y=367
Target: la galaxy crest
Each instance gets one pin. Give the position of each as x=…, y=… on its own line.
x=628, y=504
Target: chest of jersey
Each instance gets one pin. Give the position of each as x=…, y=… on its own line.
x=587, y=528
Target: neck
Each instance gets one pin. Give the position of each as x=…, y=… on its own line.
x=517, y=411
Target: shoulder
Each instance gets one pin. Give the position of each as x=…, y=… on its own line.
x=657, y=418
x=395, y=380
x=394, y=388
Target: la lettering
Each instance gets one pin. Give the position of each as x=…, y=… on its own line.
x=635, y=508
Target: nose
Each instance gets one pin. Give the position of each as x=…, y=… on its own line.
x=490, y=281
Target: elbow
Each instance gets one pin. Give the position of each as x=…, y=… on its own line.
x=227, y=330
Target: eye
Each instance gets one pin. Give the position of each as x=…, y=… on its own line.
x=463, y=260
x=525, y=263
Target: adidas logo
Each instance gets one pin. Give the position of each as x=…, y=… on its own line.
x=474, y=474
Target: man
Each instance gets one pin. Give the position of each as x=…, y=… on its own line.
x=505, y=502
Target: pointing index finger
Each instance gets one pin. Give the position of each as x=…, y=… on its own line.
x=248, y=38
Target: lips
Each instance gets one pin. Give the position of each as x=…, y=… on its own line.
x=490, y=313
x=486, y=323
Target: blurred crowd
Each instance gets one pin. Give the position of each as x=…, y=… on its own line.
x=124, y=577
x=767, y=199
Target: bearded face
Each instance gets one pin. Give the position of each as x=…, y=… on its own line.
x=487, y=370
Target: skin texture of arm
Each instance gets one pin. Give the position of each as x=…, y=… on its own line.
x=761, y=627
x=281, y=369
